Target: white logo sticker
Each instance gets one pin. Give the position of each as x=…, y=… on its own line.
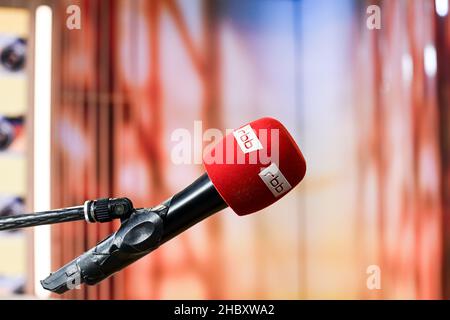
x=274, y=180
x=247, y=139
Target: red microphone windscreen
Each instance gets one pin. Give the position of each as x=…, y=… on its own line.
x=255, y=165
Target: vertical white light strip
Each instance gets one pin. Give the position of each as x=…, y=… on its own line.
x=42, y=135
x=407, y=68
x=430, y=60
x=441, y=7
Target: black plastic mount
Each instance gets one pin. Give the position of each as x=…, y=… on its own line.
x=139, y=234
x=137, y=237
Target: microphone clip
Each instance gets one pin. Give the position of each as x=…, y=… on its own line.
x=107, y=209
x=100, y=210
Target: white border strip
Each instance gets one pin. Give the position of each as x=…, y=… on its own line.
x=42, y=146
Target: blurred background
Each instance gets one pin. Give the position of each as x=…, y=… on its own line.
x=91, y=91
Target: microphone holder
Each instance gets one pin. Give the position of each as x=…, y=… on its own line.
x=100, y=210
x=141, y=231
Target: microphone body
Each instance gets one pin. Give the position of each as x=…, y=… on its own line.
x=246, y=187
x=144, y=231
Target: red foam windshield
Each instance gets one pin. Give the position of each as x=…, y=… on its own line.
x=255, y=165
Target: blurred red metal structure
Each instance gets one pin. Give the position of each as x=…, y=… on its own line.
x=108, y=129
x=104, y=121
x=400, y=150
x=442, y=26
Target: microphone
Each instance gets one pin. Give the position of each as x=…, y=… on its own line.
x=247, y=170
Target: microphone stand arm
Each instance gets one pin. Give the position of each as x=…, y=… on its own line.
x=137, y=236
x=139, y=229
x=142, y=232
x=101, y=210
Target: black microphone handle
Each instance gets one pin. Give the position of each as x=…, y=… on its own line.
x=141, y=233
x=190, y=206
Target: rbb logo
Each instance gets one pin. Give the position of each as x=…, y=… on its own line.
x=277, y=186
x=247, y=139
x=275, y=180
